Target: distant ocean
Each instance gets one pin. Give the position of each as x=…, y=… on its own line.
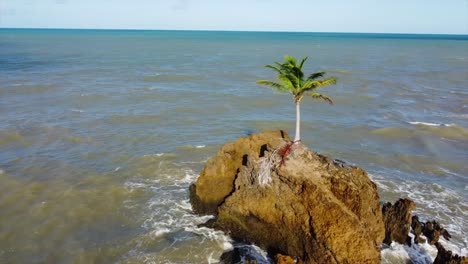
x=102, y=132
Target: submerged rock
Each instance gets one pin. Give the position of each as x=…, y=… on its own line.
x=397, y=218
x=305, y=205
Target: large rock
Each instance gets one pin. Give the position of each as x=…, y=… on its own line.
x=314, y=208
x=397, y=218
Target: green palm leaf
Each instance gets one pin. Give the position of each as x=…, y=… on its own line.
x=320, y=96
x=275, y=86
x=278, y=70
x=316, y=75
x=302, y=62
x=313, y=84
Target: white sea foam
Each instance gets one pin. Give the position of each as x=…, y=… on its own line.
x=135, y=185
x=169, y=216
x=433, y=202
x=416, y=253
x=431, y=124
x=160, y=232
x=2, y=171
x=200, y=146
x=77, y=110
x=156, y=154
x=189, y=177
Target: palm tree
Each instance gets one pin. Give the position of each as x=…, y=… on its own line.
x=291, y=80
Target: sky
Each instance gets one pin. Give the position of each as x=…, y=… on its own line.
x=377, y=16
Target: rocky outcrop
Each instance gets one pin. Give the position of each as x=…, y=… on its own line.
x=313, y=209
x=217, y=178
x=446, y=257
x=397, y=218
x=432, y=230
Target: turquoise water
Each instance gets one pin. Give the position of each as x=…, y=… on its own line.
x=101, y=132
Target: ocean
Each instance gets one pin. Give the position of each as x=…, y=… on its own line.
x=102, y=132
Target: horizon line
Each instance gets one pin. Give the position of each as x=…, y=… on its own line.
x=228, y=30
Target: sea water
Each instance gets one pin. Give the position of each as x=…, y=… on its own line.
x=102, y=132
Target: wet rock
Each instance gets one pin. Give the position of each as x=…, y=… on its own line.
x=417, y=227
x=313, y=208
x=431, y=229
x=397, y=218
x=446, y=256
x=231, y=257
x=243, y=254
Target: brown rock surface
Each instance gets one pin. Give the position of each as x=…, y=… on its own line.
x=446, y=257
x=282, y=259
x=432, y=230
x=217, y=178
x=314, y=208
x=397, y=219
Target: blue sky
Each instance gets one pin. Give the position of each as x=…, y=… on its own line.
x=387, y=16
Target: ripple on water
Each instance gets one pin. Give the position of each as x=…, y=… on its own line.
x=134, y=119
x=48, y=217
x=446, y=131
x=29, y=89
x=171, y=78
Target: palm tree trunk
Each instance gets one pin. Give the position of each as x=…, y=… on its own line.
x=298, y=122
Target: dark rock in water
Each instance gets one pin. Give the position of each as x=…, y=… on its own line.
x=397, y=218
x=446, y=257
x=231, y=257
x=432, y=230
x=417, y=227
x=303, y=205
x=211, y=223
x=243, y=254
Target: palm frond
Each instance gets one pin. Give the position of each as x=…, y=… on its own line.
x=315, y=75
x=291, y=60
x=288, y=80
x=273, y=85
x=312, y=84
x=302, y=62
x=291, y=79
x=278, y=70
x=320, y=96
x=328, y=81
x=290, y=66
